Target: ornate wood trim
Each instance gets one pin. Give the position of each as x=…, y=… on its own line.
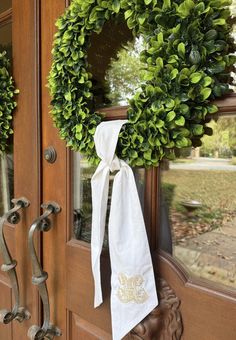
x=165, y=321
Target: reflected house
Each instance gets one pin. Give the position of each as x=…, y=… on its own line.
x=195, y=153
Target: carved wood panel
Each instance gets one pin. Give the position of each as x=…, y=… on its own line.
x=165, y=322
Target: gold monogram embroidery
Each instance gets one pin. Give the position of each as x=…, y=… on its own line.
x=131, y=289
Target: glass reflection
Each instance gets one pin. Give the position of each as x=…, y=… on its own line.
x=6, y=159
x=83, y=199
x=6, y=39
x=5, y=5
x=114, y=63
x=6, y=181
x=198, y=189
x=123, y=76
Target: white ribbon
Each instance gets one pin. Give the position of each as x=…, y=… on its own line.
x=133, y=290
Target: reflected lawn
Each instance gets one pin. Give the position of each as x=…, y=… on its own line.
x=205, y=239
x=215, y=189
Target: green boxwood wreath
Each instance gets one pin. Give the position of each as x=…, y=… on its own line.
x=7, y=102
x=188, y=62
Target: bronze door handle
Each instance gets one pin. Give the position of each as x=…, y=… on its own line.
x=13, y=217
x=42, y=223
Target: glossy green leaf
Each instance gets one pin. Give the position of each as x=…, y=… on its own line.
x=211, y=35
x=68, y=96
x=166, y=4
x=198, y=130
x=185, y=8
x=207, y=81
x=180, y=121
x=116, y=6
x=174, y=73
x=128, y=13
x=195, y=77
x=181, y=50
x=170, y=116
x=219, y=22
x=212, y=108
x=206, y=92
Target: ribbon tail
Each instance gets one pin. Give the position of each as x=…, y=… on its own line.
x=133, y=294
x=100, y=188
x=119, y=331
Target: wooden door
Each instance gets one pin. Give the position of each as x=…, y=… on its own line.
x=189, y=308
x=18, y=36
x=65, y=259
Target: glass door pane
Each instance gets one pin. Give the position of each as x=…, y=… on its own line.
x=83, y=173
x=199, y=190
x=6, y=159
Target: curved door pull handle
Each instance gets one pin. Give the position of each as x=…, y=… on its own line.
x=43, y=223
x=13, y=217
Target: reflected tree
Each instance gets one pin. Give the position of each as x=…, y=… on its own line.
x=223, y=141
x=123, y=77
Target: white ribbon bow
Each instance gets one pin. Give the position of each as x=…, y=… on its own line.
x=133, y=290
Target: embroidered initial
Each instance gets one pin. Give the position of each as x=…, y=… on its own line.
x=131, y=289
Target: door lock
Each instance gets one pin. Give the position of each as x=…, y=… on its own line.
x=50, y=154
